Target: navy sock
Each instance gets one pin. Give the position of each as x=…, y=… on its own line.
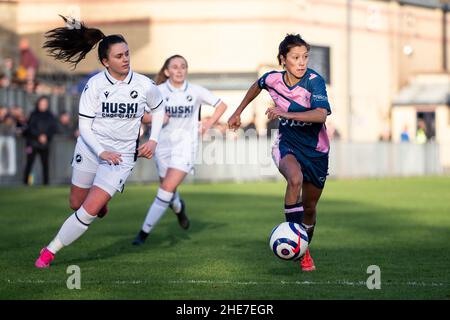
x=309, y=231
x=294, y=212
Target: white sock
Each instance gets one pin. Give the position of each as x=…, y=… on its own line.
x=157, y=209
x=55, y=245
x=71, y=230
x=176, y=203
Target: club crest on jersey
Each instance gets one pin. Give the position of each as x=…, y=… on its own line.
x=133, y=94
x=189, y=98
x=106, y=94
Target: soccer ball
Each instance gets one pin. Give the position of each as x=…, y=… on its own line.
x=289, y=241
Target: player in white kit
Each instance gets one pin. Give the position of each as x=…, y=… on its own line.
x=177, y=148
x=112, y=105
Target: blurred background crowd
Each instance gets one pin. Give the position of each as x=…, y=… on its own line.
x=385, y=63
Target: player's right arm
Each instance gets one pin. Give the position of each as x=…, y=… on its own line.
x=234, y=122
x=86, y=113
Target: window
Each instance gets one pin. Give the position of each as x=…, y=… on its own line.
x=319, y=60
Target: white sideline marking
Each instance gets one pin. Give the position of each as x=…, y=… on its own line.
x=243, y=283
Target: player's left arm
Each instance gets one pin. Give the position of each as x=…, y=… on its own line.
x=208, y=97
x=218, y=112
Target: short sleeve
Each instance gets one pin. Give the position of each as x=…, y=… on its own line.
x=262, y=81
x=88, y=101
x=154, y=98
x=207, y=97
x=319, y=97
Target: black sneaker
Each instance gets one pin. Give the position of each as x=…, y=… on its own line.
x=183, y=219
x=140, y=238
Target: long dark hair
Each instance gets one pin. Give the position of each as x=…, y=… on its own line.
x=290, y=41
x=72, y=44
x=161, y=76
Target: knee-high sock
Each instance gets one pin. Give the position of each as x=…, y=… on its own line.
x=157, y=209
x=71, y=230
x=176, y=203
x=294, y=213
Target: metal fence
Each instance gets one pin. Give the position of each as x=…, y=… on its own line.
x=243, y=159
x=15, y=97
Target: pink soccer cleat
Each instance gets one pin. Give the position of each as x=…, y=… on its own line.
x=44, y=259
x=307, y=263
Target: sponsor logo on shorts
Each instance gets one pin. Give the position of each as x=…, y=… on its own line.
x=78, y=158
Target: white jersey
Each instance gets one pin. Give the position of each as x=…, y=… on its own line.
x=117, y=108
x=183, y=107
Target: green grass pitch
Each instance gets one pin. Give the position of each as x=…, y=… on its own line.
x=401, y=225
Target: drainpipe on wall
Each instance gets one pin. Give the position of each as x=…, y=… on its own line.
x=349, y=70
x=445, y=9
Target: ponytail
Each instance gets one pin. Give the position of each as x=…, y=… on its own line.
x=72, y=44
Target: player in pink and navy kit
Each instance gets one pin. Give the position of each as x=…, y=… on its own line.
x=301, y=148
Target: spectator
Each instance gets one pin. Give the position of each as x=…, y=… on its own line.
x=41, y=127
x=65, y=126
x=8, y=125
x=28, y=65
x=421, y=134
x=404, y=136
x=6, y=73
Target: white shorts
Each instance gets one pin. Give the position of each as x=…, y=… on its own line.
x=181, y=157
x=89, y=170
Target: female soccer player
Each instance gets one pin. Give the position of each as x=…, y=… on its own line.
x=176, y=151
x=301, y=148
x=111, y=107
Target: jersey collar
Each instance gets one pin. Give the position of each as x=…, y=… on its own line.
x=305, y=76
x=172, y=88
x=112, y=80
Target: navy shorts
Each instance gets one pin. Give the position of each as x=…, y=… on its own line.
x=314, y=169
